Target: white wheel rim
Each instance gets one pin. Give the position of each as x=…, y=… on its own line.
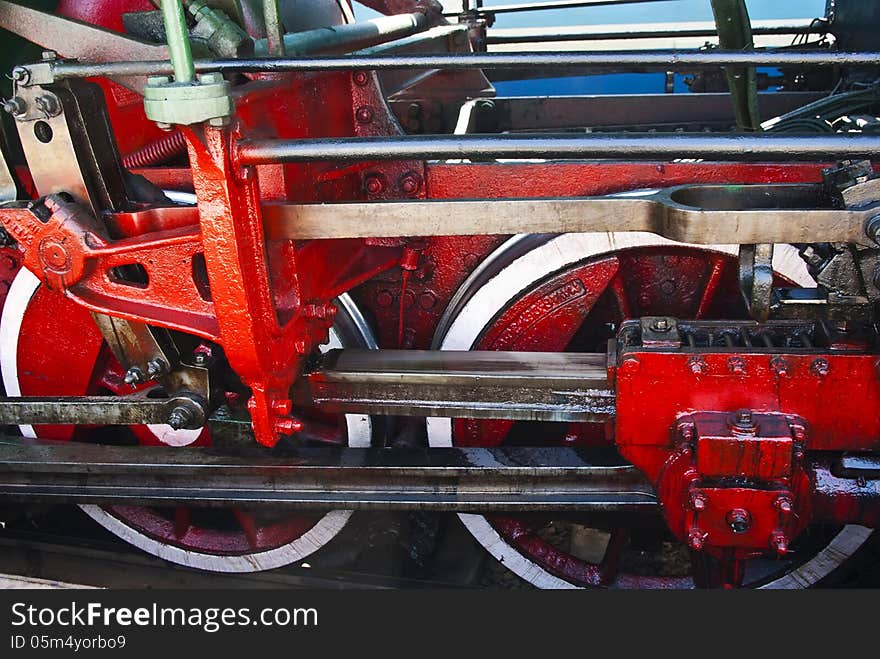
x=359, y=428
x=501, y=290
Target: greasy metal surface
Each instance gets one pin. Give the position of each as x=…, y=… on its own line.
x=95, y=410
x=667, y=61
x=636, y=146
x=531, y=386
x=691, y=214
x=437, y=479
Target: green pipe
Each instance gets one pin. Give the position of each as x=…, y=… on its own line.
x=178, y=41
x=735, y=33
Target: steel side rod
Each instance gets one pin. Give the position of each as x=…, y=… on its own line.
x=437, y=479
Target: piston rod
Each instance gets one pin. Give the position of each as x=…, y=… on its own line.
x=46, y=72
x=733, y=146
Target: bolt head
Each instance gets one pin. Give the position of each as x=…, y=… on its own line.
x=697, y=365
x=410, y=183
x=779, y=542
x=134, y=376
x=695, y=539
x=783, y=505
x=364, y=114
x=739, y=520
x=820, y=367
x=374, y=184
x=736, y=365
x=360, y=78
x=779, y=366
x=660, y=325
x=698, y=501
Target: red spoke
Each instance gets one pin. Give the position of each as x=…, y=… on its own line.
x=182, y=521
x=610, y=566
x=718, y=263
x=249, y=526
x=619, y=291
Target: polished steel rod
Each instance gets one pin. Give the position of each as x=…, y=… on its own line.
x=589, y=146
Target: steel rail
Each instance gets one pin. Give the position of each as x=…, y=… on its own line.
x=460, y=479
x=593, y=146
x=46, y=72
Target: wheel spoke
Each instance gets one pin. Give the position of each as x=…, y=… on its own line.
x=620, y=296
x=182, y=521
x=716, y=270
x=249, y=526
x=609, y=569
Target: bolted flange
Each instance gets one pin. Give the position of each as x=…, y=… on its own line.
x=205, y=99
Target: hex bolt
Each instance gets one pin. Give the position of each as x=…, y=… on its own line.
x=739, y=520
x=695, y=539
x=779, y=366
x=743, y=419
x=660, y=325
x=200, y=359
x=697, y=365
x=698, y=501
x=779, y=542
x=783, y=505
x=819, y=367
x=49, y=105
x=180, y=417
x=15, y=106
x=364, y=114
x=410, y=183
x=736, y=365
x=156, y=368
x=134, y=376
x=374, y=184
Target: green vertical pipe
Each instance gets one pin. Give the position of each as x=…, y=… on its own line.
x=735, y=33
x=178, y=41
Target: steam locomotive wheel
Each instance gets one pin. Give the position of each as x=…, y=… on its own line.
x=50, y=346
x=567, y=293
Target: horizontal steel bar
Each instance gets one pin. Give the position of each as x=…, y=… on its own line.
x=664, y=60
x=636, y=146
x=534, y=386
x=719, y=215
x=544, y=6
x=476, y=480
x=99, y=410
x=643, y=31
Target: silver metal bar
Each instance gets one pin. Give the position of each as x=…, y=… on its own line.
x=468, y=480
x=544, y=6
x=100, y=410
x=644, y=31
x=709, y=146
x=653, y=60
x=691, y=214
x=482, y=385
